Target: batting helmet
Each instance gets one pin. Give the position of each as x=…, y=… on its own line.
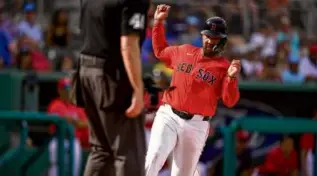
x=216, y=27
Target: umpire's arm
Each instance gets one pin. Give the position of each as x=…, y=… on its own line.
x=134, y=14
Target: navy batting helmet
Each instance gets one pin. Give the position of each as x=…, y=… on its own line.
x=216, y=27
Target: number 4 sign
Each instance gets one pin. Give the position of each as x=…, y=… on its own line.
x=137, y=21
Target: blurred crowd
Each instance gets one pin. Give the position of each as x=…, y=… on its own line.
x=26, y=45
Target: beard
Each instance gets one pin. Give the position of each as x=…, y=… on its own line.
x=208, y=51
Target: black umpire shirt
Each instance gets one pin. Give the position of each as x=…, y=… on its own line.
x=103, y=22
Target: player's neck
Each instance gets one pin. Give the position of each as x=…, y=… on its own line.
x=209, y=56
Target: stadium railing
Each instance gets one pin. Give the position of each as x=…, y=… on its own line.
x=266, y=125
x=63, y=131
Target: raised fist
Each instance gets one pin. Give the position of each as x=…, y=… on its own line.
x=234, y=68
x=161, y=12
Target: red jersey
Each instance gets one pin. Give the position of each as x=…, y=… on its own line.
x=197, y=82
x=307, y=141
x=63, y=109
x=277, y=163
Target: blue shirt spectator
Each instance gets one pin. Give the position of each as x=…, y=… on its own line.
x=28, y=28
x=294, y=40
x=5, y=54
x=147, y=49
x=7, y=25
x=32, y=31
x=291, y=74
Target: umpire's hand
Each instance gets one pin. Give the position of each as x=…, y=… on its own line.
x=136, y=106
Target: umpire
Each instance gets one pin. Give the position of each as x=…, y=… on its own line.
x=108, y=84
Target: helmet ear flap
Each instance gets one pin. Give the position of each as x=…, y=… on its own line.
x=221, y=44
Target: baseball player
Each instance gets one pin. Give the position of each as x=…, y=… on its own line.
x=201, y=77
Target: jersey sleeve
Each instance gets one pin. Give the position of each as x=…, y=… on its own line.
x=230, y=91
x=134, y=16
x=55, y=108
x=162, y=50
x=269, y=165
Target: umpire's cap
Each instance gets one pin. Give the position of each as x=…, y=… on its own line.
x=216, y=27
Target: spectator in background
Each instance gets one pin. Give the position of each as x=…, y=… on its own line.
x=150, y=20
x=281, y=161
x=307, y=144
x=58, y=34
x=276, y=4
x=7, y=49
x=65, y=64
x=289, y=37
x=308, y=65
x=244, y=160
x=258, y=38
x=74, y=115
x=38, y=60
x=176, y=24
x=269, y=72
x=162, y=67
x=30, y=33
x=264, y=38
x=251, y=64
x=233, y=15
x=6, y=24
x=30, y=38
x=192, y=32
x=291, y=74
x=24, y=60
x=282, y=54
x=147, y=54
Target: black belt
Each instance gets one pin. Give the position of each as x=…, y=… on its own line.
x=91, y=61
x=187, y=116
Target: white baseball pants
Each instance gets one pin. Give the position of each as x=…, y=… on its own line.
x=185, y=138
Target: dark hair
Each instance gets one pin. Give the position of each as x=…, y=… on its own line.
x=56, y=16
x=285, y=137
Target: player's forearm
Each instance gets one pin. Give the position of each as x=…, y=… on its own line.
x=230, y=92
x=158, y=38
x=132, y=63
